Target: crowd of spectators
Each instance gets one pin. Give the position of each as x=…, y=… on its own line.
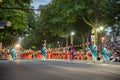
x=114, y=48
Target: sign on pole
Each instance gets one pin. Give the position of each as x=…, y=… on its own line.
x=2, y=25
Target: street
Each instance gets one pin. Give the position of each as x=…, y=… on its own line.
x=58, y=70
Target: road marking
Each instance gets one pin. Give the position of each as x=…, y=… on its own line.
x=62, y=67
x=110, y=65
x=78, y=69
x=103, y=64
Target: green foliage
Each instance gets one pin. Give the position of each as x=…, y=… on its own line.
x=110, y=9
x=18, y=18
x=56, y=20
x=60, y=17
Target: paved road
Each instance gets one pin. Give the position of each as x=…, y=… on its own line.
x=58, y=70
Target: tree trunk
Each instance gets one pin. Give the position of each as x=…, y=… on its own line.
x=83, y=42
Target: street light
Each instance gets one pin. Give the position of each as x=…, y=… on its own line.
x=8, y=24
x=5, y=24
x=1, y=1
x=58, y=44
x=95, y=31
x=17, y=45
x=72, y=33
x=101, y=28
x=103, y=40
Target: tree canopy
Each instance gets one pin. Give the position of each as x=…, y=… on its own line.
x=60, y=17
x=14, y=11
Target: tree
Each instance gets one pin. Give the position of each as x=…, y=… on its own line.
x=60, y=17
x=17, y=16
x=101, y=13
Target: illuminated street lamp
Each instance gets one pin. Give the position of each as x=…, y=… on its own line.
x=95, y=34
x=8, y=24
x=17, y=46
x=103, y=40
x=1, y=1
x=100, y=28
x=58, y=44
x=72, y=33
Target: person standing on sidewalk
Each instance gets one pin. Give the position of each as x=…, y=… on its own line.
x=71, y=50
x=93, y=50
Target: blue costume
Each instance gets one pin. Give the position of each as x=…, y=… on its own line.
x=108, y=55
x=11, y=53
x=103, y=53
x=93, y=50
x=43, y=50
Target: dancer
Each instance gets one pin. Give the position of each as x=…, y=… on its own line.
x=93, y=50
x=103, y=53
x=11, y=54
x=71, y=50
x=108, y=55
x=43, y=50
